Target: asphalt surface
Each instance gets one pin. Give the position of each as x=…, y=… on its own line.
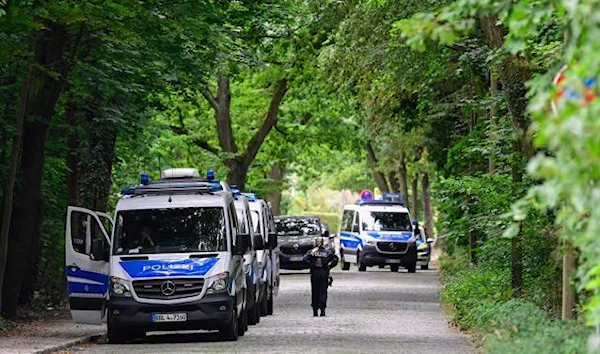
x=372, y=312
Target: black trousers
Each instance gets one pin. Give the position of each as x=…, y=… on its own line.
x=319, y=281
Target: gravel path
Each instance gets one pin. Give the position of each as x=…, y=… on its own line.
x=373, y=312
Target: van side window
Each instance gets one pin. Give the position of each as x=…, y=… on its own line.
x=347, y=218
x=233, y=220
x=356, y=223
x=80, y=229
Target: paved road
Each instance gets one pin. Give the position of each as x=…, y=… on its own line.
x=373, y=312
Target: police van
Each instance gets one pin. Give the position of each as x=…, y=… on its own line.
x=264, y=225
x=173, y=261
x=251, y=263
x=377, y=233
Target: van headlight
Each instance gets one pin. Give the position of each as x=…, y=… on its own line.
x=218, y=283
x=422, y=246
x=118, y=287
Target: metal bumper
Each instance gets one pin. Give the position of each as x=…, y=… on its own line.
x=371, y=257
x=212, y=312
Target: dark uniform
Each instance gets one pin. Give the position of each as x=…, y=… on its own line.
x=321, y=261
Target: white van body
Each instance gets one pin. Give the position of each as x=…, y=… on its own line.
x=262, y=219
x=251, y=261
x=187, y=278
x=377, y=233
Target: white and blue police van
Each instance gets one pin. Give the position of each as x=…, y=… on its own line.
x=251, y=262
x=264, y=225
x=173, y=261
x=377, y=233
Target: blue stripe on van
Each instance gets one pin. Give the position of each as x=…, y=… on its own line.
x=168, y=268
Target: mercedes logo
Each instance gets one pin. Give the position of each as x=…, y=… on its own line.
x=167, y=288
x=392, y=246
x=296, y=246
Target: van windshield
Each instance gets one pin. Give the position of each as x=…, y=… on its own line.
x=386, y=221
x=172, y=230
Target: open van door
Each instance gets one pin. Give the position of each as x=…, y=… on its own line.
x=87, y=250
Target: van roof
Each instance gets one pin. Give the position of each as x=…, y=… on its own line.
x=377, y=207
x=173, y=201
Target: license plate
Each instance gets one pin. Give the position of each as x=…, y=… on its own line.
x=296, y=258
x=392, y=261
x=169, y=317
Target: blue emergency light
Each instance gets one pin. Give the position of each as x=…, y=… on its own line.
x=250, y=196
x=144, y=178
x=210, y=175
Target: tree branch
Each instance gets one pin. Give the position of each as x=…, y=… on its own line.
x=209, y=97
x=268, y=123
x=198, y=142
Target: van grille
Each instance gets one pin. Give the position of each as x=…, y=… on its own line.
x=157, y=289
x=392, y=247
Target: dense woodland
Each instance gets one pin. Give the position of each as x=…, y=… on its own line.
x=447, y=102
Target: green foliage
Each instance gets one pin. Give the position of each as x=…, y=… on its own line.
x=479, y=298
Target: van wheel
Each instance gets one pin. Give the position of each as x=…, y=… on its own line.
x=270, y=302
x=117, y=335
x=243, y=323
x=412, y=268
x=252, y=315
x=230, y=333
x=359, y=263
x=394, y=268
x=425, y=266
x=345, y=265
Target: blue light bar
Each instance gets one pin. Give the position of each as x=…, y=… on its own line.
x=235, y=191
x=210, y=175
x=251, y=196
x=392, y=197
x=127, y=190
x=379, y=202
x=144, y=178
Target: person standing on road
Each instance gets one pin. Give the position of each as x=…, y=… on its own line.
x=321, y=261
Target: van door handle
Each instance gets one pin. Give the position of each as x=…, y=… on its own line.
x=74, y=266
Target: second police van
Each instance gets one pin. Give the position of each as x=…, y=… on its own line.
x=377, y=233
x=174, y=260
x=264, y=224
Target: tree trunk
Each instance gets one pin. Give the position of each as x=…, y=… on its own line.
x=402, y=180
x=274, y=195
x=7, y=202
x=372, y=162
x=513, y=72
x=568, y=293
x=427, y=211
x=24, y=238
x=394, y=183
x=239, y=164
x=414, y=197
x=493, y=124
x=96, y=162
x=516, y=243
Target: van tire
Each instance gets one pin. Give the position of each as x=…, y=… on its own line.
x=394, y=268
x=117, y=335
x=359, y=263
x=412, y=268
x=243, y=323
x=263, y=305
x=425, y=266
x=345, y=265
x=270, y=302
x=230, y=332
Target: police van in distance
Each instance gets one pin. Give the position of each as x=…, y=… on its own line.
x=264, y=225
x=172, y=261
x=377, y=233
x=251, y=262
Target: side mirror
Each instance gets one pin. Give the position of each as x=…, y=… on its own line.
x=98, y=251
x=430, y=240
x=325, y=233
x=272, y=241
x=355, y=228
x=259, y=243
x=241, y=244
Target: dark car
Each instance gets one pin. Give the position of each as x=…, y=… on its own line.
x=296, y=236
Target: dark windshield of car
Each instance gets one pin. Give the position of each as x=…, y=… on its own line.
x=170, y=230
x=386, y=221
x=297, y=226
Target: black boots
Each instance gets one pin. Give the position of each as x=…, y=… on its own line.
x=322, y=312
x=315, y=312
